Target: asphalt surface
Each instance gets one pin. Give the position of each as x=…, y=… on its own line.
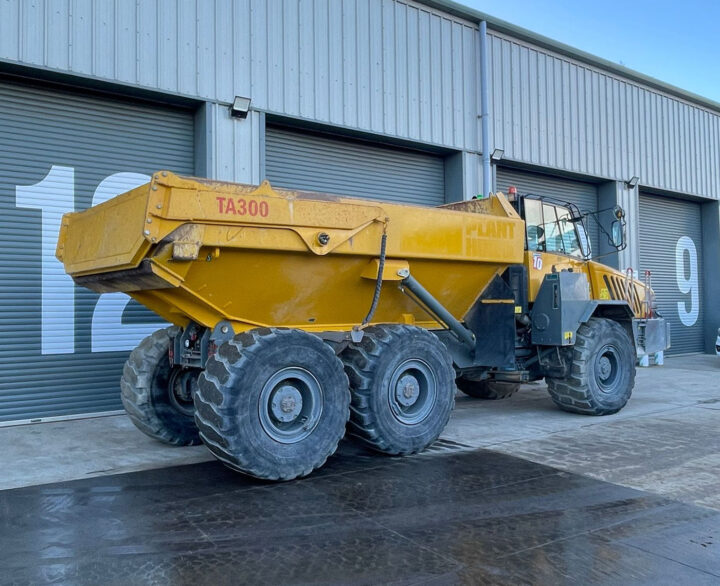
x=515, y=492
x=445, y=517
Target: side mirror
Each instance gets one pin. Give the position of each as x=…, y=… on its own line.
x=617, y=234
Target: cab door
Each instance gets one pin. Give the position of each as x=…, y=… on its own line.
x=552, y=243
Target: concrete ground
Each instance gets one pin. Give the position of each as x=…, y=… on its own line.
x=666, y=441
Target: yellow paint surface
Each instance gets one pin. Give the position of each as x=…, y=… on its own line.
x=285, y=258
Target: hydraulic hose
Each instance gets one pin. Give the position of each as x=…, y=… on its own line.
x=378, y=282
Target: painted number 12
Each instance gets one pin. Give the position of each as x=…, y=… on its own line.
x=54, y=196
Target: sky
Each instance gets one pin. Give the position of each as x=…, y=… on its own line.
x=676, y=42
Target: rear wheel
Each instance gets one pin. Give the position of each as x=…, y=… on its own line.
x=602, y=374
x=487, y=389
x=273, y=403
x=403, y=388
x=158, y=398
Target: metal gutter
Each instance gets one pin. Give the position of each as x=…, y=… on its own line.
x=501, y=26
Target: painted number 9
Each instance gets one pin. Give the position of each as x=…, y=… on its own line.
x=686, y=273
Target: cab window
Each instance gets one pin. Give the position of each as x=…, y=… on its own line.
x=569, y=236
x=549, y=229
x=553, y=237
x=534, y=225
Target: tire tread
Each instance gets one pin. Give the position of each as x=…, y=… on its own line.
x=214, y=413
x=360, y=361
x=572, y=393
x=136, y=388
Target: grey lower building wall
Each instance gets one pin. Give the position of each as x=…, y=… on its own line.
x=711, y=270
x=300, y=160
x=64, y=347
x=671, y=247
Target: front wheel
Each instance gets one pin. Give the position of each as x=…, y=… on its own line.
x=602, y=374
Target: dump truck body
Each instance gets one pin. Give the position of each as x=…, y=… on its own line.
x=296, y=314
x=200, y=251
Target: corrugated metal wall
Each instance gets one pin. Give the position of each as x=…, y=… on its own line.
x=236, y=148
x=671, y=248
x=553, y=112
x=378, y=65
x=388, y=66
x=63, y=347
x=299, y=160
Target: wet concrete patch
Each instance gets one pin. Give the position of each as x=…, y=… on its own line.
x=453, y=516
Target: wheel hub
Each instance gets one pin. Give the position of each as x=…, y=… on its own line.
x=181, y=388
x=407, y=390
x=286, y=403
x=605, y=367
x=290, y=405
x=412, y=392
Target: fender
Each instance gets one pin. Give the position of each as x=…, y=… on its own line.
x=563, y=303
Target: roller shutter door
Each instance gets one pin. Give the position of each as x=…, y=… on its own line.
x=582, y=194
x=671, y=248
x=63, y=347
x=300, y=160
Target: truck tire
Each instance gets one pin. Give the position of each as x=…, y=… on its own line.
x=156, y=397
x=403, y=388
x=487, y=389
x=273, y=403
x=602, y=373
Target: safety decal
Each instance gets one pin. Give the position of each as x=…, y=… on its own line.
x=537, y=262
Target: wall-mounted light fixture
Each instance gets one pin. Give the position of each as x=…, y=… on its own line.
x=497, y=155
x=632, y=182
x=240, y=107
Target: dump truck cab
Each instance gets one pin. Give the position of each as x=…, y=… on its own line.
x=557, y=238
x=565, y=301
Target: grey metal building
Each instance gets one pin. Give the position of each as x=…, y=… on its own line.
x=378, y=98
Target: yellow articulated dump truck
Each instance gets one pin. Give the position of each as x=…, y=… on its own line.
x=297, y=316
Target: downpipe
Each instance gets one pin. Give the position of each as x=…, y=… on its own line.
x=485, y=112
